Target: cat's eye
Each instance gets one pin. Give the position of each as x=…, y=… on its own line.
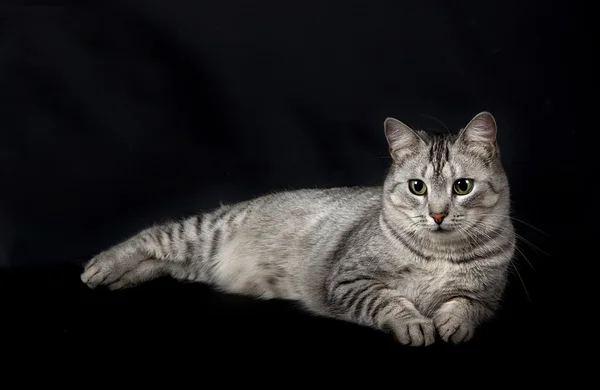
x=417, y=187
x=463, y=186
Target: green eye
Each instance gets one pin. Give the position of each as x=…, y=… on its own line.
x=463, y=186
x=417, y=187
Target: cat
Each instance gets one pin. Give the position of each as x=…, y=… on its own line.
x=423, y=257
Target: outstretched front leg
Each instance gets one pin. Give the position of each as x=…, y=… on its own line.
x=363, y=298
x=171, y=249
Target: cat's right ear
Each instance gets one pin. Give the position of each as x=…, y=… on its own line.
x=402, y=140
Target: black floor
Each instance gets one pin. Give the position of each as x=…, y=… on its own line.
x=52, y=305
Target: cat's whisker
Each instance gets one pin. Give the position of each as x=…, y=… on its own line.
x=516, y=220
x=519, y=249
x=469, y=235
x=517, y=235
x=525, y=257
x=511, y=263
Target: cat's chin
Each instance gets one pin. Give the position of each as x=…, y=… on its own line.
x=442, y=234
x=440, y=230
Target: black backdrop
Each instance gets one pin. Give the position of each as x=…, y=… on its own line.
x=119, y=115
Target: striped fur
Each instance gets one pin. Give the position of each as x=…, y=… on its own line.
x=372, y=255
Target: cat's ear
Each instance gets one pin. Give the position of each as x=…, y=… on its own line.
x=480, y=133
x=402, y=140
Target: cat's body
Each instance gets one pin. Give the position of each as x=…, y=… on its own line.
x=387, y=257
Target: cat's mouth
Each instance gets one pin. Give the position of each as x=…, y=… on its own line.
x=439, y=229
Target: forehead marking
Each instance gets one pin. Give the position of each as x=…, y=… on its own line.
x=438, y=154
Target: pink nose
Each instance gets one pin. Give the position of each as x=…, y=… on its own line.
x=438, y=217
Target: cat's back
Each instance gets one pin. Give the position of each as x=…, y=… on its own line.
x=303, y=201
x=291, y=216
x=284, y=218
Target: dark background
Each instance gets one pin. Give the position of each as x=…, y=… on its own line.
x=118, y=115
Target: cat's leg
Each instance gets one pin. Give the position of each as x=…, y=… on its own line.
x=456, y=320
x=176, y=249
x=370, y=302
x=147, y=270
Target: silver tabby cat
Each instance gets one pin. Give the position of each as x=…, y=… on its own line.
x=424, y=256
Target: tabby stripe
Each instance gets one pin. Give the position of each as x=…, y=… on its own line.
x=194, y=236
x=148, y=239
x=165, y=241
x=217, y=215
x=349, y=299
x=205, y=234
x=176, y=240
x=492, y=187
x=350, y=281
x=473, y=199
x=352, y=290
x=234, y=214
x=214, y=244
x=199, y=219
x=331, y=286
x=198, y=246
x=230, y=224
x=367, y=299
x=393, y=189
x=374, y=309
x=184, y=241
x=153, y=240
x=399, y=237
x=387, y=308
x=436, y=155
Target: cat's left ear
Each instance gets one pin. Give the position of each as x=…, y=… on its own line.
x=480, y=133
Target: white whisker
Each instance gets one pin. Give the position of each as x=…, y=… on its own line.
x=511, y=263
x=517, y=235
x=515, y=219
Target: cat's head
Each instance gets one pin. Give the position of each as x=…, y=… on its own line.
x=442, y=185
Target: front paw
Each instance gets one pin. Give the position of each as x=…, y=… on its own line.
x=452, y=328
x=414, y=332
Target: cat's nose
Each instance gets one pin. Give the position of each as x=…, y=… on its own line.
x=438, y=217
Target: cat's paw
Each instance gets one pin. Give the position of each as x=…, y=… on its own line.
x=101, y=269
x=108, y=268
x=452, y=328
x=418, y=332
